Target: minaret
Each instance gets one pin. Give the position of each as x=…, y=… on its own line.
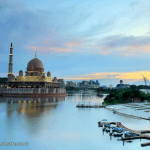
x=10, y=66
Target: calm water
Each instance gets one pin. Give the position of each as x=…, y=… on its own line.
x=58, y=125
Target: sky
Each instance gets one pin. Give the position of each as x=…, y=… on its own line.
x=101, y=40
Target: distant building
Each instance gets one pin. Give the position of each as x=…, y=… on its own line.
x=90, y=84
x=70, y=84
x=97, y=83
x=61, y=81
x=110, y=86
x=83, y=84
x=122, y=86
x=78, y=84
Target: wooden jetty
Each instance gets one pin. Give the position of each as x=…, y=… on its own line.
x=89, y=106
x=127, y=129
x=138, y=132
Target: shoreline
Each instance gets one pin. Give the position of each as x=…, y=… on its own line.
x=32, y=94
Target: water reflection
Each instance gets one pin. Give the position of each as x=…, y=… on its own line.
x=27, y=115
x=32, y=107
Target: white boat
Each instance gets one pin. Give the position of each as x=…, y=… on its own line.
x=113, y=126
x=105, y=121
x=107, y=130
x=117, y=134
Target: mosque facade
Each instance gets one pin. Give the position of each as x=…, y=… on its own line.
x=34, y=82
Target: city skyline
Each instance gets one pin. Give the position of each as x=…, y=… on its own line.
x=88, y=40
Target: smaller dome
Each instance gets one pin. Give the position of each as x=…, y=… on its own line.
x=20, y=73
x=55, y=79
x=48, y=74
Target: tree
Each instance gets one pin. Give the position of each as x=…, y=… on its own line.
x=133, y=87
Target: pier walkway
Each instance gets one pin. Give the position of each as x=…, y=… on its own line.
x=127, y=115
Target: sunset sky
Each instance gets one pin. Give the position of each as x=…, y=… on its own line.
x=106, y=40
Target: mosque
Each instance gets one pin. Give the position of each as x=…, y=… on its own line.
x=34, y=82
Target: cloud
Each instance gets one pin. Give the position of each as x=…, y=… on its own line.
x=123, y=45
x=104, y=52
x=55, y=46
x=118, y=44
x=148, y=33
x=73, y=43
x=58, y=29
x=50, y=49
x=128, y=76
x=21, y=25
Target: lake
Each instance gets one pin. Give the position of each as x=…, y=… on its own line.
x=56, y=124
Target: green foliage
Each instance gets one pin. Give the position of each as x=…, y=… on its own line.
x=133, y=87
x=125, y=95
x=102, y=90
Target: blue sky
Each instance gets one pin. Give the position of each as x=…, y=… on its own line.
x=78, y=40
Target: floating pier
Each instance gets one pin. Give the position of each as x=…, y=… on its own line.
x=127, y=115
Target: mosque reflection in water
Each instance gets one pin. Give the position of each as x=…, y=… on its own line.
x=32, y=107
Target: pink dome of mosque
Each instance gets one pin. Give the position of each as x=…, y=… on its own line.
x=35, y=63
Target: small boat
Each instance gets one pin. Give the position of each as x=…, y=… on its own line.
x=116, y=129
x=108, y=125
x=107, y=130
x=117, y=134
x=129, y=141
x=105, y=121
x=113, y=126
x=130, y=134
